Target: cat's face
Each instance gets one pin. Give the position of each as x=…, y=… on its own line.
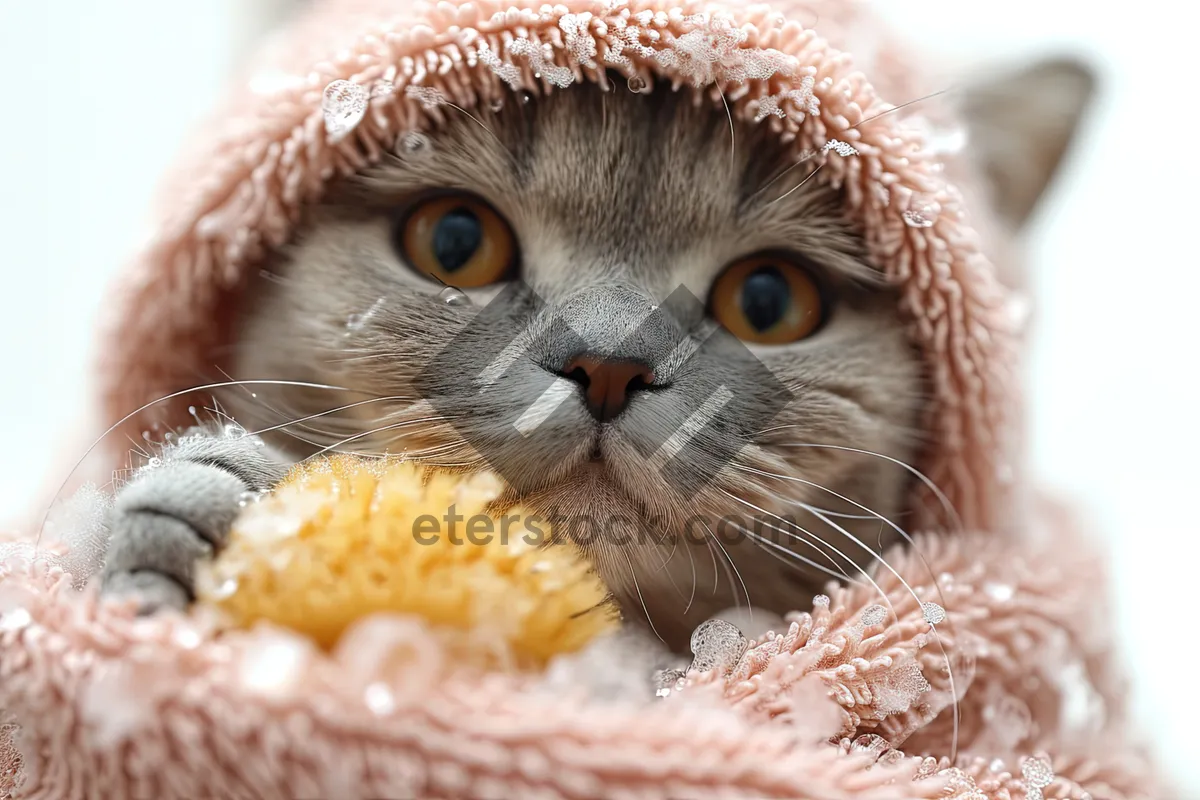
x=603, y=205
x=593, y=208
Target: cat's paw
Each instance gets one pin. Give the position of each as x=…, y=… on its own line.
x=172, y=515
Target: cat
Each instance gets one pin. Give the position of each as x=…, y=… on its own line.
x=603, y=209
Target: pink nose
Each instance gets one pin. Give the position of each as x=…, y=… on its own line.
x=608, y=383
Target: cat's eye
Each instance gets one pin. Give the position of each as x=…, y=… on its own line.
x=458, y=240
x=767, y=300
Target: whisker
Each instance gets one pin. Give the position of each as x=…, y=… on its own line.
x=770, y=547
x=320, y=414
x=381, y=429
x=172, y=396
x=642, y=600
x=749, y=605
x=798, y=185
x=936, y=635
x=732, y=132
x=815, y=543
x=477, y=121
x=897, y=108
x=921, y=476
x=692, y=596
x=821, y=514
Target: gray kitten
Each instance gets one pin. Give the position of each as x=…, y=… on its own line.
x=596, y=208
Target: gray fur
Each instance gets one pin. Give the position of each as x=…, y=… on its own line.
x=616, y=199
x=174, y=513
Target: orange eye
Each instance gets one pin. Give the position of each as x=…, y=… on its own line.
x=767, y=300
x=458, y=240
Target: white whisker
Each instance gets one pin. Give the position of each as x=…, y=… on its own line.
x=172, y=396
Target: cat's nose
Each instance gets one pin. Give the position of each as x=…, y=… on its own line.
x=607, y=383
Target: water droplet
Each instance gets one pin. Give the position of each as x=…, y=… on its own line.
x=821, y=601
x=382, y=89
x=716, y=644
x=874, y=615
x=246, y=498
x=454, y=297
x=15, y=620
x=1018, y=309
x=154, y=463
x=234, y=431
x=871, y=743
x=195, y=415
x=428, y=96
x=146, y=435
x=496, y=105
x=226, y=589
x=537, y=74
x=343, y=104
x=526, y=97
x=843, y=149
x=414, y=144
x=379, y=699
x=274, y=664
x=933, y=613
x=996, y=765
x=1037, y=772
x=999, y=592
x=636, y=84
x=667, y=681
x=919, y=219
x=187, y=638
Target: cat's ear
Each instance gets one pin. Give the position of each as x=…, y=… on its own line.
x=1020, y=126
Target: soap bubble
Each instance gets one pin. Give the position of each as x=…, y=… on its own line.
x=636, y=84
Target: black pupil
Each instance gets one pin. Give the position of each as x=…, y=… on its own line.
x=456, y=238
x=766, y=296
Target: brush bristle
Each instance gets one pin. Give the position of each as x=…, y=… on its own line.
x=338, y=540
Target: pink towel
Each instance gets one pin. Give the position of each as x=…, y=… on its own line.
x=99, y=704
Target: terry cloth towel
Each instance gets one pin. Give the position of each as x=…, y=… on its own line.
x=853, y=700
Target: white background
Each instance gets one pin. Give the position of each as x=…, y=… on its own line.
x=99, y=95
